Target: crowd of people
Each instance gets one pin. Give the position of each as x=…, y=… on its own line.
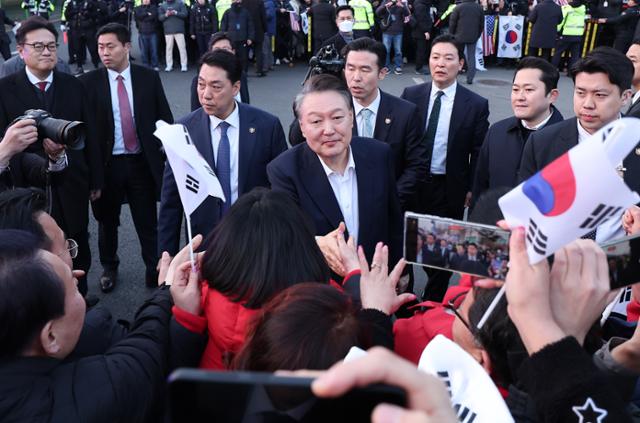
x=302, y=260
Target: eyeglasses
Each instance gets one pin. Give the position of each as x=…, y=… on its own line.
x=39, y=47
x=454, y=304
x=72, y=248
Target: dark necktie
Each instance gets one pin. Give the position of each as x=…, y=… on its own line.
x=126, y=118
x=42, y=85
x=432, y=126
x=223, y=166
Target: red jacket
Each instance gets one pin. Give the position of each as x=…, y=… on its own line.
x=411, y=335
x=226, y=323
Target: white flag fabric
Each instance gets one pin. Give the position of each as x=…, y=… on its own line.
x=304, y=18
x=510, y=36
x=575, y=193
x=479, y=56
x=474, y=396
x=193, y=175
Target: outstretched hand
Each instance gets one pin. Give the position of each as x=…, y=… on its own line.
x=377, y=286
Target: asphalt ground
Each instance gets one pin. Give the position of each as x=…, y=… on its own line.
x=273, y=93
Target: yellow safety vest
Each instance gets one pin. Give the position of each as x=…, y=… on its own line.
x=573, y=20
x=222, y=6
x=363, y=14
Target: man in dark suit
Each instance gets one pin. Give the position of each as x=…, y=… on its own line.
x=456, y=121
x=634, y=55
x=126, y=101
x=237, y=140
x=534, y=90
x=337, y=178
x=602, y=88
x=39, y=86
x=384, y=117
x=344, y=22
x=545, y=17
x=259, y=17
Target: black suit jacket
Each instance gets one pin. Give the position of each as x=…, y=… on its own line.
x=501, y=153
x=548, y=144
x=398, y=124
x=467, y=129
x=634, y=110
x=323, y=23
x=299, y=173
x=149, y=105
x=261, y=139
x=84, y=171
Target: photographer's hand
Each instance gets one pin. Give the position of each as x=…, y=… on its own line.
x=53, y=150
x=18, y=137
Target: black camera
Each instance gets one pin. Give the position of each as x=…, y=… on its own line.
x=65, y=132
x=327, y=61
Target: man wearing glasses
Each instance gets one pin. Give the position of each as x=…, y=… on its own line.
x=39, y=86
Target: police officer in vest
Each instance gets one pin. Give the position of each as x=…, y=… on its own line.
x=571, y=29
x=364, y=18
x=40, y=8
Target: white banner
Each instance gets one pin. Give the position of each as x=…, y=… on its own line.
x=193, y=175
x=575, y=193
x=510, y=40
x=474, y=396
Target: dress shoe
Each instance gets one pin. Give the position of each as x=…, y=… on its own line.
x=108, y=280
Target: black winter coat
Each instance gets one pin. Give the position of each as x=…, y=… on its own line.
x=545, y=18
x=422, y=15
x=203, y=19
x=238, y=24
x=467, y=22
x=147, y=18
x=323, y=23
x=122, y=385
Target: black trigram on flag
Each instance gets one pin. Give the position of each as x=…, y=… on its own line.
x=599, y=215
x=444, y=377
x=187, y=138
x=192, y=184
x=536, y=238
x=626, y=296
x=465, y=415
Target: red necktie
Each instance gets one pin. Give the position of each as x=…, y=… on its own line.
x=42, y=85
x=126, y=118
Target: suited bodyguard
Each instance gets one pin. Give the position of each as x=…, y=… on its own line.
x=602, y=88
x=633, y=54
x=126, y=100
x=455, y=121
x=336, y=177
x=237, y=140
x=384, y=117
x=40, y=86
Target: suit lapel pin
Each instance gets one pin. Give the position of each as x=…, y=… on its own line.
x=387, y=121
x=252, y=130
x=638, y=151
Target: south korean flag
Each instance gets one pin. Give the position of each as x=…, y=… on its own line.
x=194, y=177
x=575, y=193
x=474, y=396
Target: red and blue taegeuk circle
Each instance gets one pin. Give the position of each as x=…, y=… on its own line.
x=511, y=37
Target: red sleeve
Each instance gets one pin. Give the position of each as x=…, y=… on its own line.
x=633, y=310
x=191, y=322
x=349, y=275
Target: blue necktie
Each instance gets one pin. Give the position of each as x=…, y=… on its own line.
x=223, y=166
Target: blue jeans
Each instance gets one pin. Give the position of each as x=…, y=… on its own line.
x=149, y=48
x=387, y=39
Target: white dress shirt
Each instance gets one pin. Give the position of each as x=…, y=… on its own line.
x=345, y=189
x=439, y=156
x=233, y=133
x=118, y=138
x=612, y=228
x=357, y=107
x=34, y=79
x=538, y=126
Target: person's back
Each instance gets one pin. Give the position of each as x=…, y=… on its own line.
x=467, y=21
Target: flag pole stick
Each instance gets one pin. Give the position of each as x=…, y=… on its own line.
x=191, y=254
x=492, y=307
